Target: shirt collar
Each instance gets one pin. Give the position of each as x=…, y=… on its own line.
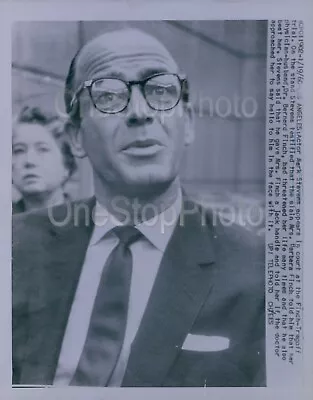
x=157, y=230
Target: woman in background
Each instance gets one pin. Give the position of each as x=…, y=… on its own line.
x=42, y=160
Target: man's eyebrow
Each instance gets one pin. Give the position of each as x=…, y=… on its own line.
x=109, y=74
x=152, y=71
x=114, y=74
x=143, y=75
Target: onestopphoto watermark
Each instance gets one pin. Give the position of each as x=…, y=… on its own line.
x=251, y=216
x=224, y=107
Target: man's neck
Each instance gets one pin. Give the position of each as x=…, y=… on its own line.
x=130, y=209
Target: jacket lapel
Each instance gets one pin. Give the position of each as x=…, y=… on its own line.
x=183, y=282
x=62, y=250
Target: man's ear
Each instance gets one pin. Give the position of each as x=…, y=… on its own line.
x=189, y=124
x=74, y=132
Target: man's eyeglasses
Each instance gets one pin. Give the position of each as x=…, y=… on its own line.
x=162, y=92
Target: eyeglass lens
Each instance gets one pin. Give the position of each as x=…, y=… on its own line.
x=162, y=92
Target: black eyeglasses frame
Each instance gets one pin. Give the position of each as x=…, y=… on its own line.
x=89, y=83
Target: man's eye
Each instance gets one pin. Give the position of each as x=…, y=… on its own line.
x=106, y=97
x=161, y=90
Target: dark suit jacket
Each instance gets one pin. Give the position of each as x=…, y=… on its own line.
x=210, y=282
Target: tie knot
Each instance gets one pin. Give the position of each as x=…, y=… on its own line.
x=127, y=234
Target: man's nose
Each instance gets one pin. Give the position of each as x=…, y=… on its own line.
x=138, y=111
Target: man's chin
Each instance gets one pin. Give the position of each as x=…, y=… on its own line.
x=148, y=186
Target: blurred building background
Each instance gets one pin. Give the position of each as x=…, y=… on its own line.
x=225, y=62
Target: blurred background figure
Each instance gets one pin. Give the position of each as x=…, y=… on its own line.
x=42, y=161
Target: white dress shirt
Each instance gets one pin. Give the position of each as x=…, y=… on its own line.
x=147, y=253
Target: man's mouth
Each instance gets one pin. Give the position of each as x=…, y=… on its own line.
x=145, y=147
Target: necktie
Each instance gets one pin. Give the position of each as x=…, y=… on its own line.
x=109, y=316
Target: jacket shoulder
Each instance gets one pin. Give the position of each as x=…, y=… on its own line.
x=31, y=231
x=34, y=238
x=240, y=248
x=229, y=228
x=27, y=224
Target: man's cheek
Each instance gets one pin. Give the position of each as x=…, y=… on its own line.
x=165, y=118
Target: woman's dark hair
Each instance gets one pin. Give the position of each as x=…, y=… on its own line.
x=34, y=115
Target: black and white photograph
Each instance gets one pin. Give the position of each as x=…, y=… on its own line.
x=138, y=203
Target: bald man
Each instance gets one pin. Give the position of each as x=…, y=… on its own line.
x=137, y=286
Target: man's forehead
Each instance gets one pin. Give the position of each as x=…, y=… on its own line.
x=124, y=49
